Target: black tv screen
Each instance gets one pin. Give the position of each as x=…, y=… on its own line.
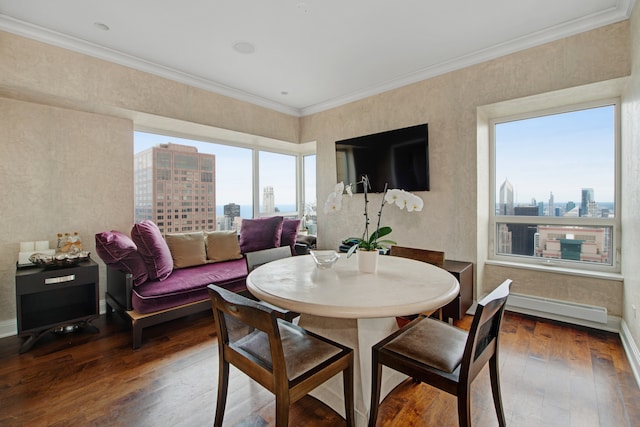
x=399, y=158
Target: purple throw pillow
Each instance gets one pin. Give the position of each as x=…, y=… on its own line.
x=118, y=251
x=153, y=248
x=260, y=233
x=289, y=233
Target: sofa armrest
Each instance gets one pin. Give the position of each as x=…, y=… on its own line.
x=119, y=287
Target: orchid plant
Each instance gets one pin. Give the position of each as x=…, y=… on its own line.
x=372, y=242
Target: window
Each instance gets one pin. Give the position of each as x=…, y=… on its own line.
x=277, y=184
x=555, y=187
x=309, y=214
x=211, y=185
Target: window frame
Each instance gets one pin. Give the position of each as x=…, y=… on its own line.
x=256, y=144
x=614, y=223
x=257, y=186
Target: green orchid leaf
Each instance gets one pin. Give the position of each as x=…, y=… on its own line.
x=382, y=243
x=381, y=232
x=352, y=249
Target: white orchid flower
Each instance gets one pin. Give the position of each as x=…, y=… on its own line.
x=333, y=203
x=414, y=203
x=392, y=195
x=403, y=199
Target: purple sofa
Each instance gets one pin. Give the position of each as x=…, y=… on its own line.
x=153, y=279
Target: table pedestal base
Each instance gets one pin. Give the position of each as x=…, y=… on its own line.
x=360, y=335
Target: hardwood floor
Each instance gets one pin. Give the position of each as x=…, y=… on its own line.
x=551, y=374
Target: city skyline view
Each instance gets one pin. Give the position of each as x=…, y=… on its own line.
x=234, y=169
x=560, y=154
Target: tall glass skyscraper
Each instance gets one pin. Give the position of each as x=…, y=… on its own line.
x=506, y=198
x=587, y=199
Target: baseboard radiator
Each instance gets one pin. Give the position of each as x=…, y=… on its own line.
x=553, y=307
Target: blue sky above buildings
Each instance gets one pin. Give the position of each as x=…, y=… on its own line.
x=561, y=153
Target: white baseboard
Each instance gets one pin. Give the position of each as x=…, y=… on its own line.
x=631, y=350
x=590, y=313
x=612, y=325
x=9, y=327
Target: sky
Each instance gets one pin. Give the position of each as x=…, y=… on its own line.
x=558, y=153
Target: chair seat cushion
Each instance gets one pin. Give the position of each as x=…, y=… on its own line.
x=433, y=343
x=302, y=352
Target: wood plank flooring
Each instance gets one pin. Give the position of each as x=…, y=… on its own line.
x=552, y=374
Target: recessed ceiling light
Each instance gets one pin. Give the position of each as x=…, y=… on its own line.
x=244, y=47
x=101, y=26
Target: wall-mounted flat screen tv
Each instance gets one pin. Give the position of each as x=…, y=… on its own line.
x=399, y=158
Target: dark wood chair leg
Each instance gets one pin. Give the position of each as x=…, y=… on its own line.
x=495, y=387
x=223, y=384
x=347, y=379
x=376, y=380
x=464, y=407
x=282, y=411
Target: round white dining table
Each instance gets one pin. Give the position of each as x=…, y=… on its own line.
x=353, y=308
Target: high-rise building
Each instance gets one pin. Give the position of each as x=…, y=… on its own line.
x=523, y=235
x=504, y=239
x=506, y=198
x=268, y=200
x=552, y=211
x=232, y=210
x=230, y=218
x=174, y=186
x=587, y=198
x=569, y=206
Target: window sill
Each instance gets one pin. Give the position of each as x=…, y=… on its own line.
x=617, y=277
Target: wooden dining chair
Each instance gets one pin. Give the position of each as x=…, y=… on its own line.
x=284, y=358
x=257, y=258
x=444, y=356
x=425, y=255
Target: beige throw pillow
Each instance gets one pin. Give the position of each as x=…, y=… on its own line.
x=222, y=246
x=187, y=249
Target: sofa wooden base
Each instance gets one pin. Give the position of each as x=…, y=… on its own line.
x=139, y=321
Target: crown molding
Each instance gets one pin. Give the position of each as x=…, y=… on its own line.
x=74, y=44
x=620, y=12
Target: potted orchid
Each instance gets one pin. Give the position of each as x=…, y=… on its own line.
x=374, y=241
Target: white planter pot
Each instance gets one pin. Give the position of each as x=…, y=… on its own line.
x=367, y=261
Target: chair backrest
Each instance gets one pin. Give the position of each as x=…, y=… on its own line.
x=248, y=336
x=483, y=339
x=425, y=255
x=257, y=258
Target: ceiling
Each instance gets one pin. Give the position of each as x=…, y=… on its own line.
x=308, y=55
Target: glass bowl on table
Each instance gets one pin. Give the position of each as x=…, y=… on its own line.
x=324, y=259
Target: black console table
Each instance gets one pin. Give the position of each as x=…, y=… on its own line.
x=56, y=300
